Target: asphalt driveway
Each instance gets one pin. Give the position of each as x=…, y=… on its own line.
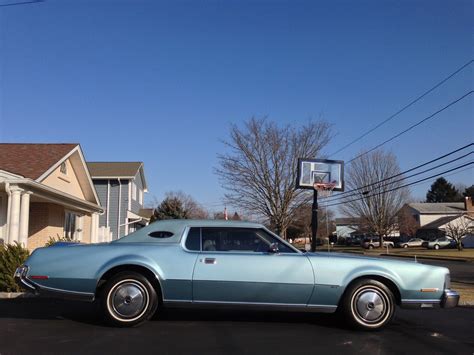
x=42, y=326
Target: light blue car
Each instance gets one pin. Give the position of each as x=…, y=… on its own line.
x=192, y=263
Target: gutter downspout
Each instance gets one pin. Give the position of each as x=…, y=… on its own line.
x=119, y=208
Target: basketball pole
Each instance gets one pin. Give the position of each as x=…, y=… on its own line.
x=314, y=220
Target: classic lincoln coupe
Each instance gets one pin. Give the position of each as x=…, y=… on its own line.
x=192, y=263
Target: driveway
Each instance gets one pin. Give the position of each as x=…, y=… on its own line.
x=42, y=326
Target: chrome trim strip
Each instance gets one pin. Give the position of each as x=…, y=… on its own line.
x=252, y=305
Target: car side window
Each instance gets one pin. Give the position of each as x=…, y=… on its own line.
x=193, y=240
x=239, y=240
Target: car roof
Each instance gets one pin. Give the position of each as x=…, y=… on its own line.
x=177, y=227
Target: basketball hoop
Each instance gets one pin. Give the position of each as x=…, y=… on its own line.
x=324, y=189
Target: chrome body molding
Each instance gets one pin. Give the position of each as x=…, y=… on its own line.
x=22, y=280
x=251, y=306
x=420, y=303
x=449, y=299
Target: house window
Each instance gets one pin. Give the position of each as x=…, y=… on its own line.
x=140, y=197
x=69, y=225
x=134, y=191
x=63, y=168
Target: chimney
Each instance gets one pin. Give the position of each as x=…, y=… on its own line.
x=468, y=205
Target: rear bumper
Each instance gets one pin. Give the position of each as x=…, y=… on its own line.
x=450, y=299
x=21, y=278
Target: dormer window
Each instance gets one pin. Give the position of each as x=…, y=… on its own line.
x=63, y=168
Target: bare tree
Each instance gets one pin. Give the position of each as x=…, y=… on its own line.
x=378, y=204
x=407, y=222
x=193, y=209
x=259, y=170
x=458, y=228
x=300, y=226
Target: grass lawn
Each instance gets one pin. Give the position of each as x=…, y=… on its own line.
x=466, y=291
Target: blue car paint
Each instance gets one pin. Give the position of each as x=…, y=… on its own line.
x=313, y=279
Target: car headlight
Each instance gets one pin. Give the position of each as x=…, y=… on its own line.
x=447, y=282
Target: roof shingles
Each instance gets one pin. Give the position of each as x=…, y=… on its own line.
x=31, y=160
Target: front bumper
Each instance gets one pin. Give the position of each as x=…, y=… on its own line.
x=450, y=299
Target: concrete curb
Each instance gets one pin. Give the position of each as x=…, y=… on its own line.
x=412, y=257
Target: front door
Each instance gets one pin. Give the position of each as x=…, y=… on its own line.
x=236, y=266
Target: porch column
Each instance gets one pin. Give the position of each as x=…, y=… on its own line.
x=94, y=227
x=79, y=227
x=24, y=218
x=14, y=223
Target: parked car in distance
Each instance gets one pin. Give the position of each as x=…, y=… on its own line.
x=440, y=243
x=413, y=242
x=371, y=243
x=215, y=264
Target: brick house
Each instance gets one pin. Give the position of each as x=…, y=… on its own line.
x=46, y=192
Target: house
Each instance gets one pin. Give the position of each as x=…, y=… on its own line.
x=46, y=192
x=431, y=219
x=355, y=228
x=347, y=227
x=120, y=187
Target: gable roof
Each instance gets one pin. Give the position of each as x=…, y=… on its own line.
x=31, y=160
x=440, y=207
x=117, y=169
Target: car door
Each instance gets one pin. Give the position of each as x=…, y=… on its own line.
x=236, y=266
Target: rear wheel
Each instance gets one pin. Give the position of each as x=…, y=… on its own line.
x=368, y=304
x=371, y=246
x=128, y=299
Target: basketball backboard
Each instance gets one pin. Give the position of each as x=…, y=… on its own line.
x=311, y=171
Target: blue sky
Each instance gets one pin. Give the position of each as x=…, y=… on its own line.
x=161, y=81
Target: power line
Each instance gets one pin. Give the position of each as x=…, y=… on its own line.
x=337, y=197
x=404, y=107
x=411, y=127
x=402, y=186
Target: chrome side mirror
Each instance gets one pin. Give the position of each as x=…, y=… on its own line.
x=273, y=248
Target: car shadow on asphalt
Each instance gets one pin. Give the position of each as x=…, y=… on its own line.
x=89, y=313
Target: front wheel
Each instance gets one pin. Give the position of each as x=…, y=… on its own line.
x=436, y=246
x=405, y=246
x=368, y=304
x=128, y=299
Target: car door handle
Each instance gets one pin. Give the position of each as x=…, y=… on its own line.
x=209, y=260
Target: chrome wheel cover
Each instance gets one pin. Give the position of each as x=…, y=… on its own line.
x=128, y=300
x=371, y=306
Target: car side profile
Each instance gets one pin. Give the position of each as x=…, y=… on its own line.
x=439, y=243
x=413, y=242
x=212, y=264
x=371, y=243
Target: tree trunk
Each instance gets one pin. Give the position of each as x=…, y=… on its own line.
x=459, y=246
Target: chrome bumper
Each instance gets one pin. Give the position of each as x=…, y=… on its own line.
x=450, y=299
x=22, y=281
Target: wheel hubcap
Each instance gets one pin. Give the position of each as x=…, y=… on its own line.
x=370, y=305
x=129, y=299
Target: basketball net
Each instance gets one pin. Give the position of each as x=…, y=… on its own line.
x=324, y=189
